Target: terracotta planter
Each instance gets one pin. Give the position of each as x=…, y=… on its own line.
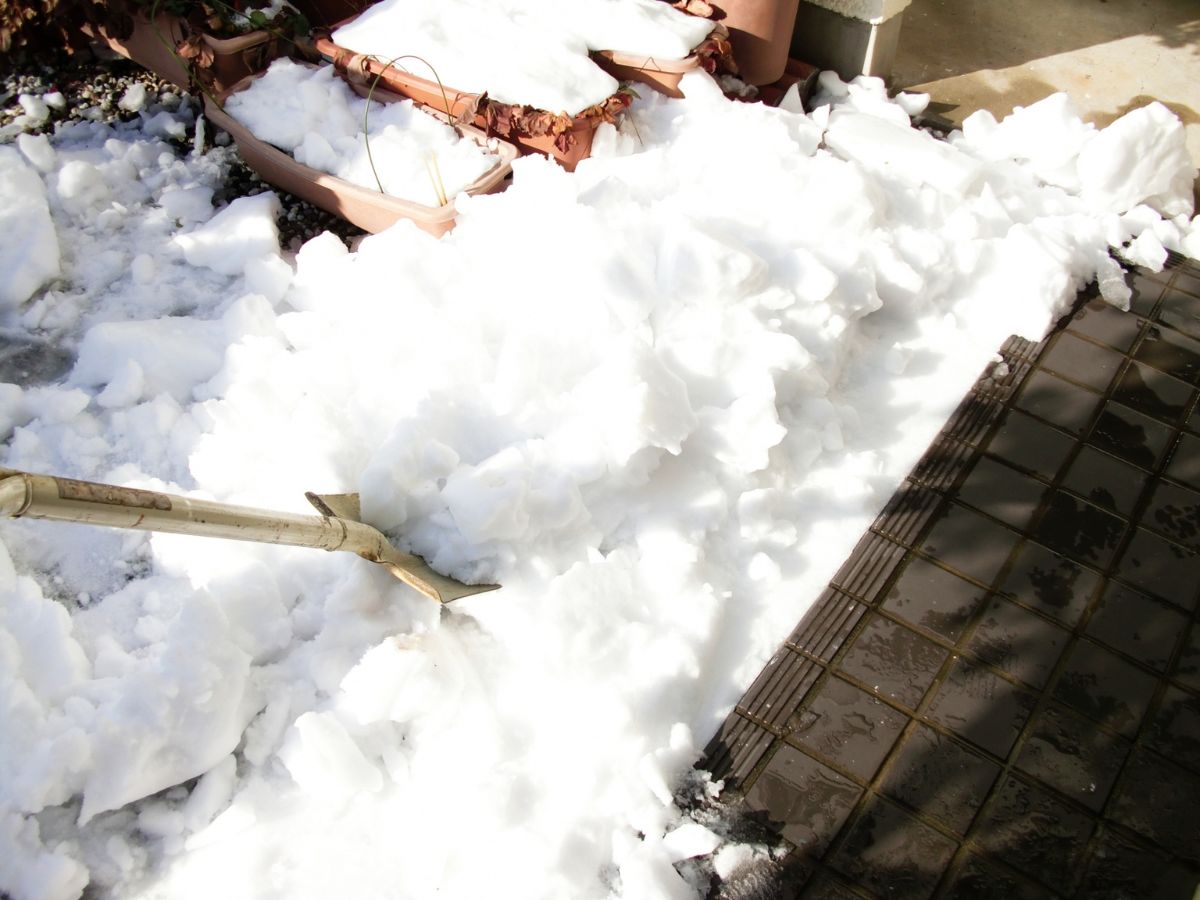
x=663, y=75
x=152, y=45
x=761, y=33
x=368, y=209
x=236, y=57
x=361, y=70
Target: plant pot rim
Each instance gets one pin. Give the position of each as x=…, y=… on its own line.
x=434, y=219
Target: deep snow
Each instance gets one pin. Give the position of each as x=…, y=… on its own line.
x=657, y=400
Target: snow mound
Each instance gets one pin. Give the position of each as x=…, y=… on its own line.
x=29, y=254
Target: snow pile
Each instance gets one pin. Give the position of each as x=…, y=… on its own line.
x=531, y=52
x=657, y=399
x=313, y=115
x=29, y=254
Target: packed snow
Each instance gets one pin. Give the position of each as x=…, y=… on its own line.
x=312, y=114
x=530, y=52
x=657, y=399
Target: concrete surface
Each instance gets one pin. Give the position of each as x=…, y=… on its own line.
x=1109, y=55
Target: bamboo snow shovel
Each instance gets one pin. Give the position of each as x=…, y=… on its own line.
x=337, y=528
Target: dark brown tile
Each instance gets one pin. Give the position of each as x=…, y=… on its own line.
x=1170, y=352
x=1130, y=435
x=979, y=880
x=823, y=887
x=1175, y=511
x=848, y=726
x=1078, y=530
x=1082, y=362
x=1002, y=492
x=1105, y=323
x=1105, y=481
x=1136, y=625
x=1029, y=444
x=806, y=802
x=940, y=777
x=869, y=566
x=1185, y=461
x=1105, y=687
x=1159, y=799
x=1071, y=755
x=1051, y=583
x=1035, y=833
x=1182, y=312
x=1058, y=402
x=1162, y=568
x=1024, y=645
x=981, y=707
x=906, y=513
x=1187, y=669
x=892, y=853
x=1175, y=729
x=894, y=662
x=933, y=599
x=780, y=688
x=1122, y=870
x=968, y=543
x=1154, y=393
x=1147, y=290
x=735, y=750
x=823, y=631
x=1187, y=280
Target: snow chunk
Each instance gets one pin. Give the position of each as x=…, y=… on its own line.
x=900, y=152
x=1140, y=158
x=29, y=253
x=243, y=231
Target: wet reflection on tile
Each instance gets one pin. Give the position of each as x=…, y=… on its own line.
x=1182, y=312
x=1130, y=435
x=1171, y=352
x=1159, y=799
x=1154, y=393
x=892, y=853
x=1104, y=481
x=978, y=880
x=1121, y=869
x=1069, y=753
x=1175, y=729
x=1050, y=398
x=1046, y=581
x=933, y=599
x=1138, y=626
x=1185, y=461
x=806, y=801
x=1024, y=645
x=849, y=726
x=1103, y=322
x=968, y=543
x=1146, y=293
x=1105, y=687
x=940, y=777
x=1187, y=669
x=1029, y=444
x=1035, y=833
x=1162, y=568
x=894, y=662
x=1175, y=511
x=1082, y=361
x=984, y=708
x=1079, y=530
x=1002, y=492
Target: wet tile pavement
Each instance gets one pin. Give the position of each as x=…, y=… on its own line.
x=999, y=693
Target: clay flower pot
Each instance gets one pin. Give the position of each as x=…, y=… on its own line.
x=361, y=71
x=370, y=210
x=151, y=45
x=761, y=33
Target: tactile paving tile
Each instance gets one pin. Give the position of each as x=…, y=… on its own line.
x=999, y=693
